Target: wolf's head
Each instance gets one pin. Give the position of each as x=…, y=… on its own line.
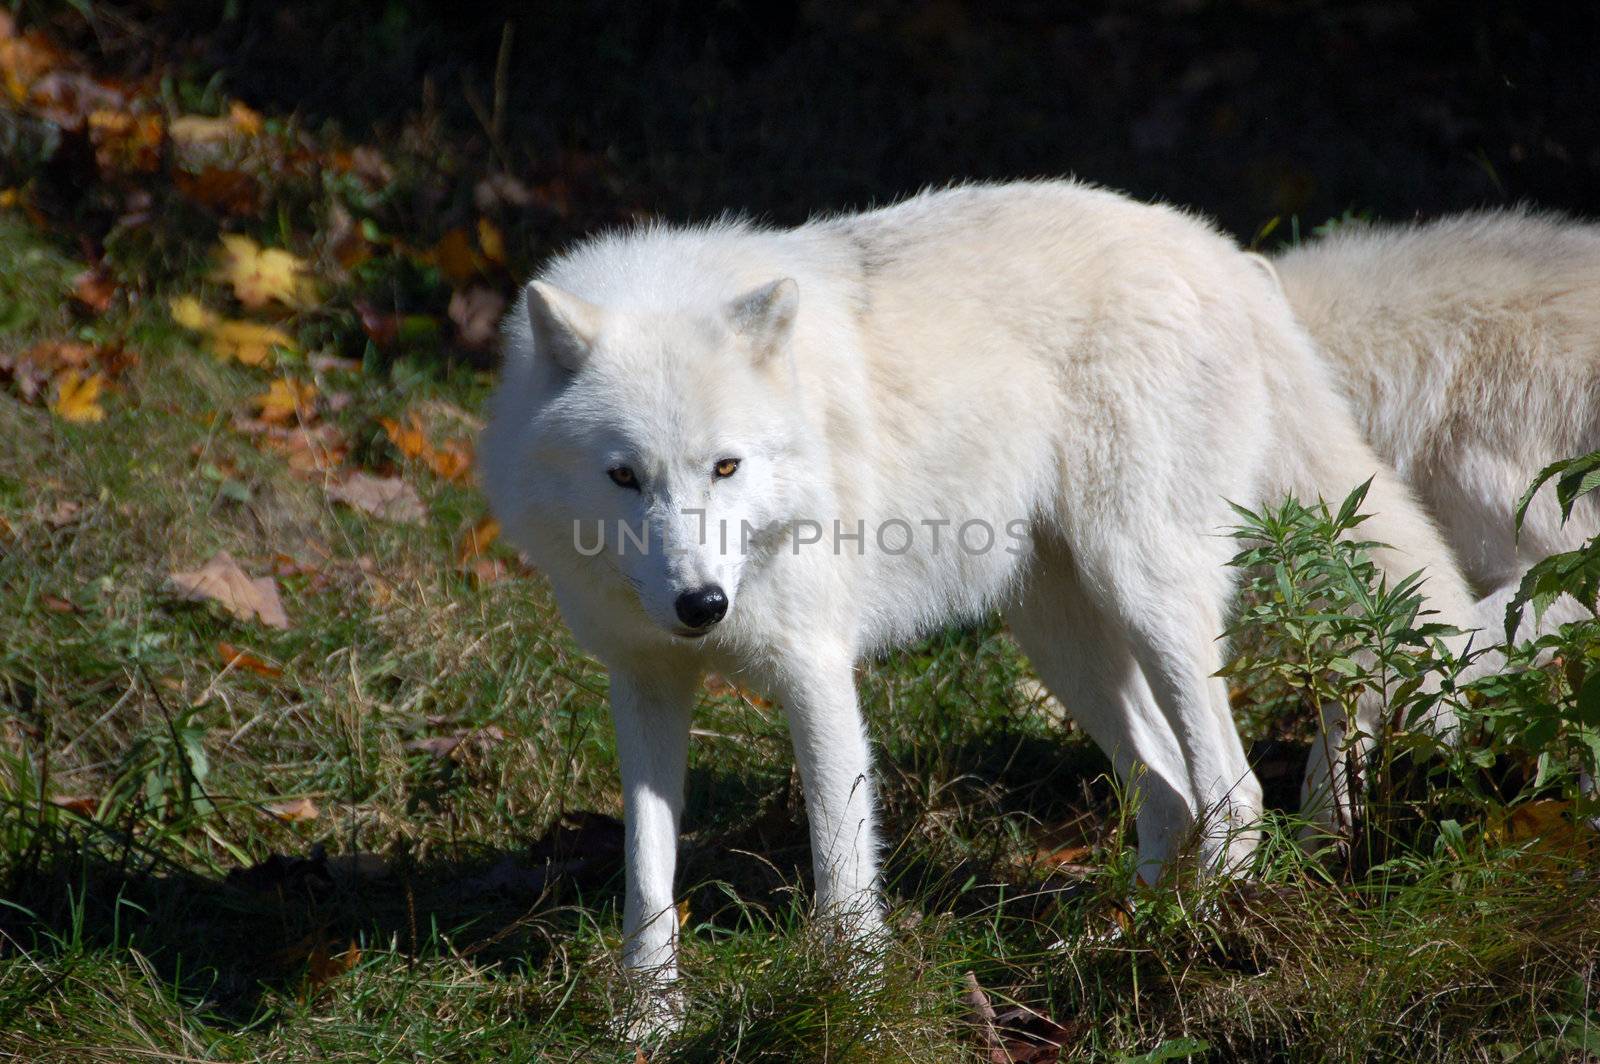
x=646, y=446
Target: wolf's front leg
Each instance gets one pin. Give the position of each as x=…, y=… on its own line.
x=650, y=711
x=830, y=745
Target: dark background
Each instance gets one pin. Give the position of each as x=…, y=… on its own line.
x=1245, y=109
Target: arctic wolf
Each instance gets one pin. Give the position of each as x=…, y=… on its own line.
x=1469, y=349
x=770, y=453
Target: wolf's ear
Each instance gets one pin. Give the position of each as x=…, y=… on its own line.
x=564, y=326
x=764, y=316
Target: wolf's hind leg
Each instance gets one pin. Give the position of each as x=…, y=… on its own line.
x=1085, y=656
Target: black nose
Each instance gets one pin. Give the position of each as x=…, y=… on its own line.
x=702, y=607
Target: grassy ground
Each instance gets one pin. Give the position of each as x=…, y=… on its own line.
x=165, y=894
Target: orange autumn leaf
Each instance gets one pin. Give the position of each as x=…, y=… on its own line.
x=235, y=658
x=452, y=460
x=324, y=965
x=409, y=439
x=246, y=119
x=93, y=290
x=286, y=401
x=477, y=540
x=77, y=397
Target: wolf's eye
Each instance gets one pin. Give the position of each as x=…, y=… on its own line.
x=726, y=468
x=623, y=477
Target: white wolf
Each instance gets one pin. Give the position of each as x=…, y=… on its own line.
x=1469, y=349
x=1036, y=397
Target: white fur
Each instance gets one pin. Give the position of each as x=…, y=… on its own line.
x=1470, y=351
x=1096, y=374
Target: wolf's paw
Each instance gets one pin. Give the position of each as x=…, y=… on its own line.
x=653, y=1014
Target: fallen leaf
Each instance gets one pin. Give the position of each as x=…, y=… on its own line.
x=287, y=400
x=245, y=119
x=226, y=191
x=491, y=242
x=451, y=460
x=334, y=364
x=324, y=965
x=235, y=658
x=308, y=448
x=77, y=803
x=446, y=745
x=124, y=141
x=246, y=341
x=294, y=810
x=94, y=290
x=56, y=604
x=476, y=314
x=192, y=314
x=200, y=129
x=64, y=513
x=389, y=498
x=221, y=580
x=486, y=571
x=261, y=276
x=721, y=685
x=77, y=397
x=53, y=355
x=455, y=258
x=408, y=439
x=477, y=540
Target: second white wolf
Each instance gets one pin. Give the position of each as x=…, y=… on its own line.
x=1037, y=397
x=1469, y=349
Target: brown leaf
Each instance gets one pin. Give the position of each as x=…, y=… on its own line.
x=225, y=191
x=455, y=258
x=221, y=580
x=324, y=965
x=476, y=314
x=56, y=604
x=94, y=289
x=80, y=804
x=64, y=513
x=389, y=498
x=294, y=810
x=233, y=657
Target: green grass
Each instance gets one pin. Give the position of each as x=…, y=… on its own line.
x=133, y=934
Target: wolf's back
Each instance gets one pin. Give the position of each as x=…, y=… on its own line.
x=1470, y=351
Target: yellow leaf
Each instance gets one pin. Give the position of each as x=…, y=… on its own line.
x=246, y=119
x=77, y=397
x=199, y=129
x=260, y=276
x=247, y=341
x=192, y=314
x=492, y=241
x=286, y=400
